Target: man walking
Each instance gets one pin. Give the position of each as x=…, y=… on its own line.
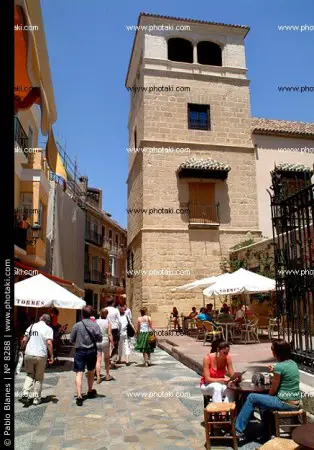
x=85, y=334
x=38, y=338
x=114, y=319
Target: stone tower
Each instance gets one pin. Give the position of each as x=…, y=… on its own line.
x=190, y=121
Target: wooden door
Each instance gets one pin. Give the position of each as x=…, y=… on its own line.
x=202, y=203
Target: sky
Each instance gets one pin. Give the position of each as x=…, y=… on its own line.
x=89, y=49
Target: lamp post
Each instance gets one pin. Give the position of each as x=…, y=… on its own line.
x=35, y=234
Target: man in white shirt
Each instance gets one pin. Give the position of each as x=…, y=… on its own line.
x=38, y=341
x=114, y=319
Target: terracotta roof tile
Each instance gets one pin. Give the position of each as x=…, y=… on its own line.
x=204, y=164
x=281, y=127
x=220, y=24
x=289, y=167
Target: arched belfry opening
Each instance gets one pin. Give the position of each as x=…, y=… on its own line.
x=209, y=53
x=180, y=50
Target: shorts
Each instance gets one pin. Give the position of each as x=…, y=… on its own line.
x=83, y=358
x=103, y=347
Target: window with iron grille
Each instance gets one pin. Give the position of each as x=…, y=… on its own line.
x=198, y=117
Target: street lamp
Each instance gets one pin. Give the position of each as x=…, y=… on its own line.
x=35, y=234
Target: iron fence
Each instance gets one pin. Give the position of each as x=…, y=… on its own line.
x=293, y=235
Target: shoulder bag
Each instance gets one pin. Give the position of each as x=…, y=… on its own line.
x=23, y=347
x=130, y=329
x=92, y=337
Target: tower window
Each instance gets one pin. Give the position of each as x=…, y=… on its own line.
x=135, y=139
x=180, y=50
x=209, y=53
x=198, y=117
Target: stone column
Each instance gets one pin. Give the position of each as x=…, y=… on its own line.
x=195, y=52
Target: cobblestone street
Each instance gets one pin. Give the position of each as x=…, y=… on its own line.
x=120, y=417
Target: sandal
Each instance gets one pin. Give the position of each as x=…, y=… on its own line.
x=109, y=379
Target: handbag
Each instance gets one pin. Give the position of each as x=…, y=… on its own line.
x=130, y=330
x=152, y=340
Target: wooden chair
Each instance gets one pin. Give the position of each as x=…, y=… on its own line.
x=223, y=414
x=212, y=331
x=294, y=417
x=279, y=444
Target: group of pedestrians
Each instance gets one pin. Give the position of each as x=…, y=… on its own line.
x=107, y=338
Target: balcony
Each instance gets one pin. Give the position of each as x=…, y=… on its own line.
x=117, y=281
x=114, y=249
x=93, y=237
x=95, y=277
x=20, y=138
x=20, y=237
x=203, y=215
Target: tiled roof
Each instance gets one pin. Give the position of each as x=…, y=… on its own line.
x=220, y=24
x=288, y=167
x=204, y=164
x=281, y=127
x=142, y=14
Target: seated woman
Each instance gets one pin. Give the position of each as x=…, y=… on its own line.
x=203, y=315
x=284, y=394
x=215, y=366
x=175, y=317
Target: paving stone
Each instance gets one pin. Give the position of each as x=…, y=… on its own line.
x=131, y=439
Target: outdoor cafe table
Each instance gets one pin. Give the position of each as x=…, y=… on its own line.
x=304, y=436
x=246, y=387
x=228, y=331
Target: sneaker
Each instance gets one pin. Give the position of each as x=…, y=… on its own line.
x=79, y=401
x=36, y=401
x=98, y=380
x=92, y=393
x=24, y=399
x=240, y=436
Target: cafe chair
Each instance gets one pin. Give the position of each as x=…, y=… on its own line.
x=212, y=331
x=288, y=420
x=200, y=330
x=279, y=444
x=223, y=414
x=170, y=324
x=249, y=331
x=274, y=328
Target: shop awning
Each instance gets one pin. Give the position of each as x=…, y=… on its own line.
x=32, y=77
x=78, y=291
x=40, y=292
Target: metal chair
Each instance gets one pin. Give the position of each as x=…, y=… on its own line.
x=200, y=329
x=274, y=328
x=212, y=331
x=249, y=331
x=170, y=323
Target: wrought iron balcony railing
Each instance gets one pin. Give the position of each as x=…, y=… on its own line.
x=203, y=214
x=93, y=237
x=95, y=277
x=20, y=138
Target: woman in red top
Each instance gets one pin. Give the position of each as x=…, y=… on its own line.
x=215, y=366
